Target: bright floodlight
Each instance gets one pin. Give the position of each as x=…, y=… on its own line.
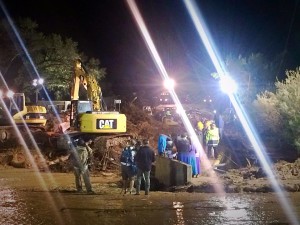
x=37, y=82
x=41, y=81
x=34, y=82
x=179, y=110
x=10, y=94
x=228, y=85
x=169, y=83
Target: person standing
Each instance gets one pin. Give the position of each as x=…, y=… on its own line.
x=138, y=145
x=206, y=126
x=128, y=167
x=80, y=154
x=199, y=130
x=144, y=159
x=183, y=147
x=191, y=160
x=186, y=153
x=212, y=140
x=169, y=148
x=162, y=144
x=197, y=156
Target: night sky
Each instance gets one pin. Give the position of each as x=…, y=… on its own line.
x=106, y=30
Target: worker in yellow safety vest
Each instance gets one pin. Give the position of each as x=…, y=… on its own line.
x=212, y=139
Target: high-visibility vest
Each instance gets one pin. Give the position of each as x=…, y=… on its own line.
x=212, y=134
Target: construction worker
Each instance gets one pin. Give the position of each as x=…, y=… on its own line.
x=206, y=126
x=212, y=139
x=80, y=153
x=199, y=130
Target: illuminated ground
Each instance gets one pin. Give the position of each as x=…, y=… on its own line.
x=25, y=201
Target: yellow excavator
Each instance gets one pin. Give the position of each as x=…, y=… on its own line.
x=89, y=116
x=13, y=108
x=90, y=120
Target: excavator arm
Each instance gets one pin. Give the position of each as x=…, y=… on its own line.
x=89, y=82
x=89, y=116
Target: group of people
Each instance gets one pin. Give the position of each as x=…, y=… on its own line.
x=209, y=135
x=137, y=157
x=136, y=163
x=182, y=148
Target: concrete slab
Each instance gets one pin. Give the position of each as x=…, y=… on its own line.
x=171, y=172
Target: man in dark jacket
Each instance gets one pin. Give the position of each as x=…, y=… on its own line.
x=144, y=159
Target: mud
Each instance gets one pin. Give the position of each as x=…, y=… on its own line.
x=29, y=197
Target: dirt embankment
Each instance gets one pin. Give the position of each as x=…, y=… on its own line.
x=249, y=179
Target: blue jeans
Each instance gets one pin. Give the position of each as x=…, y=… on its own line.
x=146, y=175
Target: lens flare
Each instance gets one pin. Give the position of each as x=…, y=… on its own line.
x=16, y=128
x=258, y=146
x=10, y=94
x=159, y=64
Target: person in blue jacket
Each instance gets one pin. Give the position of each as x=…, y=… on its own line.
x=162, y=144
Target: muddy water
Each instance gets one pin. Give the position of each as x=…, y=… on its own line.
x=25, y=200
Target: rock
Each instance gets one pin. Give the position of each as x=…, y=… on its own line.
x=5, y=159
x=18, y=164
x=264, y=189
x=249, y=189
x=233, y=189
x=179, y=188
x=291, y=187
x=107, y=174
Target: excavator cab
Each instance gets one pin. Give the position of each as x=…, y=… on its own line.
x=85, y=120
x=15, y=107
x=88, y=116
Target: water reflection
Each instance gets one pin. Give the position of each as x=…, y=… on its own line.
x=178, y=206
x=10, y=208
x=29, y=207
x=236, y=210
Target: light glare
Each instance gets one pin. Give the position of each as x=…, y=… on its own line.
x=169, y=84
x=41, y=81
x=10, y=94
x=258, y=146
x=228, y=85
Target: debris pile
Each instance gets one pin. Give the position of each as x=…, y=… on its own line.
x=107, y=150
